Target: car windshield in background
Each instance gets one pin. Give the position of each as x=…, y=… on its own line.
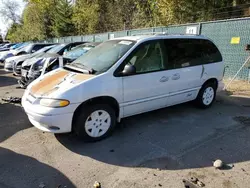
x=102, y=57
x=56, y=49
x=77, y=52
x=42, y=50
x=20, y=48
x=26, y=48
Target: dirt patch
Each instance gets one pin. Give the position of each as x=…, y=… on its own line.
x=238, y=87
x=164, y=163
x=226, y=184
x=244, y=120
x=197, y=175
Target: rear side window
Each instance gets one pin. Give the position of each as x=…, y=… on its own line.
x=211, y=53
x=190, y=52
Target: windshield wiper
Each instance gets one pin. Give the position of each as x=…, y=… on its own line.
x=79, y=65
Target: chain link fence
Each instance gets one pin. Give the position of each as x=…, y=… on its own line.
x=231, y=37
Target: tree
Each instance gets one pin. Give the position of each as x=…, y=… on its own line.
x=9, y=10
x=62, y=21
x=85, y=17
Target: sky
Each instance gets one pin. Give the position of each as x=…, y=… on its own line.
x=3, y=23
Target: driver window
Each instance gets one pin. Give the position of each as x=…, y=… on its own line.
x=148, y=57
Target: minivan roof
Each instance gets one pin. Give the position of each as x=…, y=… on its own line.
x=160, y=36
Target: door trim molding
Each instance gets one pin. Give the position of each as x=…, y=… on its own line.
x=157, y=97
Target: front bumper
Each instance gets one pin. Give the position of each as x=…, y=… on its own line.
x=8, y=66
x=52, y=124
x=55, y=120
x=17, y=70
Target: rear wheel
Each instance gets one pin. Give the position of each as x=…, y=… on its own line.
x=95, y=122
x=206, y=95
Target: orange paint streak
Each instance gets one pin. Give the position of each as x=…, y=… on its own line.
x=48, y=83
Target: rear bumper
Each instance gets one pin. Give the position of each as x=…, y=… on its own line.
x=221, y=86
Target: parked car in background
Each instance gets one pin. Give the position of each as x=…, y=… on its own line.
x=124, y=77
x=18, y=45
x=10, y=52
x=57, y=51
x=46, y=65
x=6, y=47
x=17, y=61
x=29, y=49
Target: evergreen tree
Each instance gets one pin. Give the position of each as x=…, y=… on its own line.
x=62, y=22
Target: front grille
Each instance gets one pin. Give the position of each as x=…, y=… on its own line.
x=26, y=67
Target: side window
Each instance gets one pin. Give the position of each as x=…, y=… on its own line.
x=210, y=52
x=190, y=52
x=147, y=57
x=183, y=53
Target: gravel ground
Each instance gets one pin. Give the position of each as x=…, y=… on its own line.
x=156, y=149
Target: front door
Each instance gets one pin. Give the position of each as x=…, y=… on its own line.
x=146, y=90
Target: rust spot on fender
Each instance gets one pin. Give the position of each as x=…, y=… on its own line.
x=48, y=83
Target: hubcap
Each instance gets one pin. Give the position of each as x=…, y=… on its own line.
x=208, y=96
x=97, y=123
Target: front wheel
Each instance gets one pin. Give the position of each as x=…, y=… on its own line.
x=95, y=122
x=206, y=95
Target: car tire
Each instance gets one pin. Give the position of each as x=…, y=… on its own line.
x=94, y=122
x=206, y=95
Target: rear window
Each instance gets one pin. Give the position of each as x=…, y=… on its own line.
x=190, y=52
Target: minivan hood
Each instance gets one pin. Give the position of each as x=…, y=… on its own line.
x=22, y=57
x=57, y=82
x=17, y=58
x=46, y=55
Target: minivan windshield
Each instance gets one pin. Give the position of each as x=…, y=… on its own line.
x=77, y=52
x=102, y=57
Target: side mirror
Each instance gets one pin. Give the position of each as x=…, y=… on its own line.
x=128, y=70
x=33, y=51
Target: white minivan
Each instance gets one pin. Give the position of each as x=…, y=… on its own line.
x=124, y=77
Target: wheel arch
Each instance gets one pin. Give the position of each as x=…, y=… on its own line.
x=99, y=100
x=212, y=80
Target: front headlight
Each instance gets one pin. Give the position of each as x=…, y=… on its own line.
x=54, y=103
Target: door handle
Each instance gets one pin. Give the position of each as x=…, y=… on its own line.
x=176, y=76
x=164, y=79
